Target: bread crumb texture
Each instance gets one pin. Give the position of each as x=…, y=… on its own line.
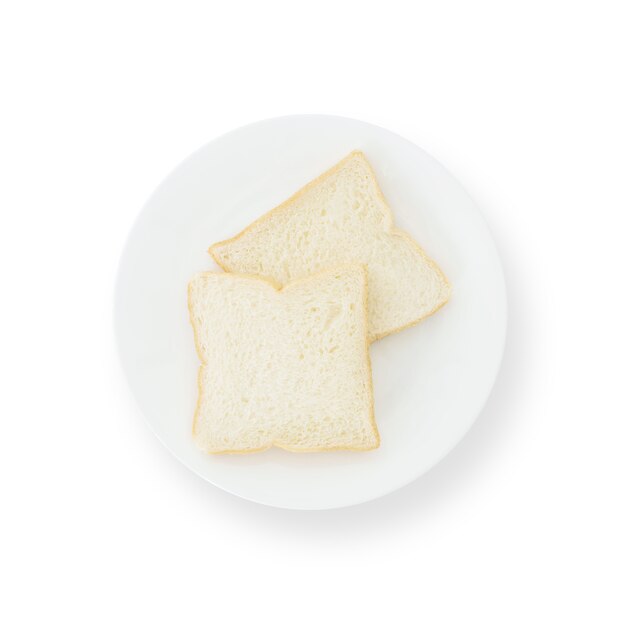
x=285, y=367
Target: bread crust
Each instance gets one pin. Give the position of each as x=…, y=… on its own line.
x=388, y=226
x=279, y=289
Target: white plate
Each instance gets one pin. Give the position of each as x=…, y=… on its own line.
x=430, y=381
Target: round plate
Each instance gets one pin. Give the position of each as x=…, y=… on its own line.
x=430, y=381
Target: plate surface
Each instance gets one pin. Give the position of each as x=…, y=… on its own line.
x=430, y=381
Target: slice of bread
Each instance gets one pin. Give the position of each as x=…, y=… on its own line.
x=342, y=217
x=285, y=367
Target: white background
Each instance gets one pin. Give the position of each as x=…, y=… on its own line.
x=524, y=523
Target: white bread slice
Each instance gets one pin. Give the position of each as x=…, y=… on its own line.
x=342, y=217
x=286, y=367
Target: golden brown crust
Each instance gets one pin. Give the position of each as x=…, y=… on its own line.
x=278, y=288
x=389, y=227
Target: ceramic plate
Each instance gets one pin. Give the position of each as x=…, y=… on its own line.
x=430, y=381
